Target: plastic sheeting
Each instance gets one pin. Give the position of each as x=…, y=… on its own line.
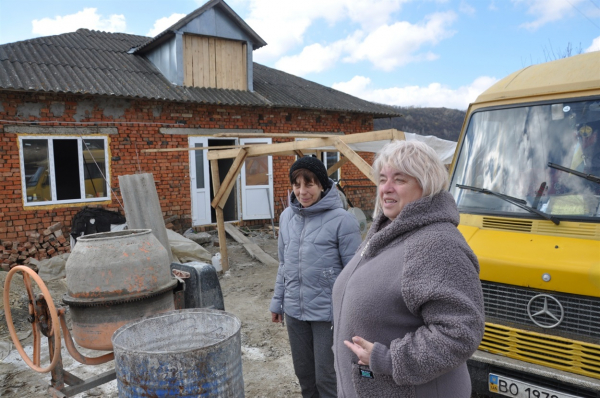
x=444, y=148
x=185, y=250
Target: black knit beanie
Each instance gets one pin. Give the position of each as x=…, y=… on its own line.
x=312, y=164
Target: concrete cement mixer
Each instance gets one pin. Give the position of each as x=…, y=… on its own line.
x=113, y=278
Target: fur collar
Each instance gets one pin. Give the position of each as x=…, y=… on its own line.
x=440, y=208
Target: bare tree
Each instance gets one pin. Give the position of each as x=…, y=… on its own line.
x=551, y=55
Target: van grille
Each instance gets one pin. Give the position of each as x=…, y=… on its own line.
x=542, y=227
x=509, y=303
x=554, y=352
x=581, y=230
x=506, y=224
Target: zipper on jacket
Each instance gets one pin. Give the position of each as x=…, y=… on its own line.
x=363, y=251
x=300, y=264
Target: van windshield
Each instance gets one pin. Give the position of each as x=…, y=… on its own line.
x=545, y=155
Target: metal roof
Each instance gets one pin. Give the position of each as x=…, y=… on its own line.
x=257, y=41
x=572, y=74
x=98, y=63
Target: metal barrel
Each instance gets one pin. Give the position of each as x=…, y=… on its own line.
x=185, y=353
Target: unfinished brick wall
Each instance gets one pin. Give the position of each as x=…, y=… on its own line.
x=138, y=123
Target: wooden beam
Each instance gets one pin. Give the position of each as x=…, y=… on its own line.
x=299, y=153
x=398, y=135
x=229, y=180
x=359, y=162
x=196, y=148
x=336, y=166
x=252, y=248
x=214, y=169
x=394, y=134
x=275, y=149
x=276, y=135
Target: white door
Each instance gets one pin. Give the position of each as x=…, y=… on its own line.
x=257, y=184
x=200, y=180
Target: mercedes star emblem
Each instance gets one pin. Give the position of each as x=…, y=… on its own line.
x=540, y=317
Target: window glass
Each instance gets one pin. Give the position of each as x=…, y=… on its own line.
x=257, y=169
x=37, y=176
x=329, y=159
x=544, y=156
x=94, y=168
x=199, y=155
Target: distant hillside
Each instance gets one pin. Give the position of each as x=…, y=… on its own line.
x=441, y=122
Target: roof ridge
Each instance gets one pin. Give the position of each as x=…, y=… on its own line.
x=81, y=31
x=157, y=73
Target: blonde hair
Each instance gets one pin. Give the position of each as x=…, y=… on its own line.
x=413, y=158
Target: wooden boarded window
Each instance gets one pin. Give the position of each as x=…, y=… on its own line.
x=214, y=62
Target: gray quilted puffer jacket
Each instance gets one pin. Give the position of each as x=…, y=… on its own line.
x=315, y=243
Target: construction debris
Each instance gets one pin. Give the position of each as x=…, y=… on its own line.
x=252, y=248
x=38, y=245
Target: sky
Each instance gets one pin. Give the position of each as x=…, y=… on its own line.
x=421, y=53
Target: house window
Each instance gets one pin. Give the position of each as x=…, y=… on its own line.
x=64, y=169
x=329, y=159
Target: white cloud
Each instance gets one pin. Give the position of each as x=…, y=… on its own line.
x=88, y=18
x=387, y=47
x=433, y=95
x=316, y=57
x=283, y=23
x=390, y=46
x=595, y=45
x=313, y=59
x=371, y=14
x=545, y=11
x=163, y=23
x=466, y=8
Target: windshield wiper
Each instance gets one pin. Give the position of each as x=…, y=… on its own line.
x=512, y=200
x=589, y=177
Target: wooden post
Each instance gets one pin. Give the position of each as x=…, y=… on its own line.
x=214, y=169
x=336, y=166
x=359, y=162
x=228, y=182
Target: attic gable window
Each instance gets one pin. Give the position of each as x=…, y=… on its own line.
x=63, y=169
x=215, y=63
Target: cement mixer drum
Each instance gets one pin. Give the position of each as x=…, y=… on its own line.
x=114, y=278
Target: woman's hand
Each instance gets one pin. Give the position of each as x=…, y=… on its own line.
x=362, y=348
x=277, y=318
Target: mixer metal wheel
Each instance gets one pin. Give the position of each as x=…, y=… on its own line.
x=42, y=315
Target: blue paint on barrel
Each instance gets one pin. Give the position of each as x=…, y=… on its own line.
x=186, y=353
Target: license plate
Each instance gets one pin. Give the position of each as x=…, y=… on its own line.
x=517, y=389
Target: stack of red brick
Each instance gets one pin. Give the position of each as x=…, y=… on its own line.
x=39, y=245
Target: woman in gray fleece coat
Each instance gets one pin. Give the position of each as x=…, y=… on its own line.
x=408, y=308
x=317, y=238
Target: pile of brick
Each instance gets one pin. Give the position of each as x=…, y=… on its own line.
x=39, y=245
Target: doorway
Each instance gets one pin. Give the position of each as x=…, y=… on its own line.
x=202, y=186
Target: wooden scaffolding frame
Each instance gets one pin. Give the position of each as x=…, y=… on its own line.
x=239, y=154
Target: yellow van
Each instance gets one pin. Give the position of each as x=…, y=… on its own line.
x=526, y=179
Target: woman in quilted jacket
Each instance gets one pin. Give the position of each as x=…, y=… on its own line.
x=317, y=238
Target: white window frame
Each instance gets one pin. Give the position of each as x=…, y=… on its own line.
x=323, y=157
x=327, y=166
x=52, y=176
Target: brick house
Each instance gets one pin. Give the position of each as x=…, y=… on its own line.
x=79, y=109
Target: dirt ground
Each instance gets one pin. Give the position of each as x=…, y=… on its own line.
x=247, y=289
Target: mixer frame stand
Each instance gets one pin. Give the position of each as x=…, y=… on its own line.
x=77, y=385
